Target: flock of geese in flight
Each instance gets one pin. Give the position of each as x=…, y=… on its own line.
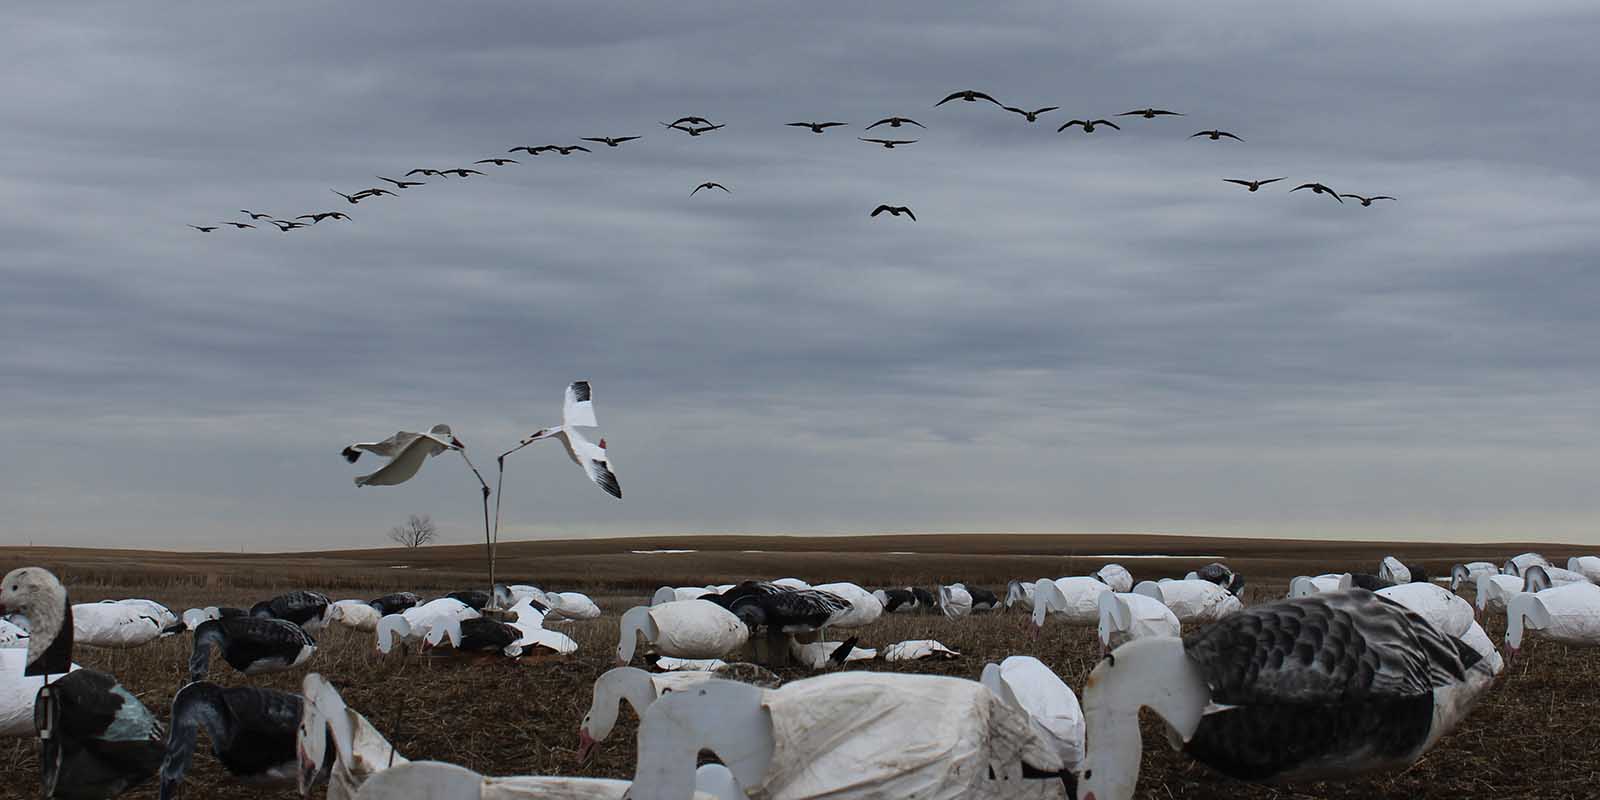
x=697, y=126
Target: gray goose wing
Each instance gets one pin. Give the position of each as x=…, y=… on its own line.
x=1323, y=685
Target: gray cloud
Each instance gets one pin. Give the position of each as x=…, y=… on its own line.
x=1080, y=333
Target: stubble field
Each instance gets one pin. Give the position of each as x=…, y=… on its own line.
x=1536, y=734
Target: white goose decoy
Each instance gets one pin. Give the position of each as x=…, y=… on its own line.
x=1019, y=594
x=416, y=625
x=916, y=650
x=1517, y=563
x=1452, y=615
x=1495, y=590
x=1075, y=601
x=667, y=594
x=1026, y=683
x=1193, y=601
x=1393, y=571
x=1304, y=585
x=194, y=616
x=1125, y=616
x=567, y=606
x=955, y=601
x=12, y=634
x=336, y=745
x=1320, y=686
x=1116, y=576
x=437, y=780
x=864, y=607
x=406, y=451
x=1568, y=614
x=163, y=615
x=114, y=624
x=847, y=735
x=17, y=692
x=822, y=655
x=1468, y=573
x=356, y=614
x=682, y=629
x=639, y=689
x=1587, y=566
x=791, y=583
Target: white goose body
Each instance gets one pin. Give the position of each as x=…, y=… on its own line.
x=1019, y=594
x=1314, y=687
x=865, y=609
x=437, y=780
x=847, y=735
x=1517, y=564
x=1314, y=584
x=1568, y=614
x=1116, y=576
x=1393, y=571
x=1494, y=590
x=1074, y=601
x=566, y=606
x=1468, y=573
x=682, y=629
x=1026, y=683
x=421, y=624
x=955, y=601
x=1195, y=602
x=667, y=594
x=1125, y=616
x=356, y=614
x=1587, y=566
x=640, y=689
x=916, y=650
x=17, y=692
x=114, y=624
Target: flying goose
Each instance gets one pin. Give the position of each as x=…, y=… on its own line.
x=430, y=172
x=401, y=184
x=577, y=411
x=499, y=162
x=251, y=645
x=608, y=141
x=691, y=120
x=527, y=148
x=1367, y=201
x=240, y=225
x=1149, y=113
x=1214, y=135
x=968, y=95
x=817, y=127
x=895, y=122
x=567, y=151
x=96, y=739
x=894, y=211
x=205, y=228
x=710, y=185
x=460, y=172
x=254, y=215
x=252, y=732
x=889, y=144
x=1088, y=125
x=1317, y=188
x=406, y=450
x=352, y=199
x=1031, y=116
x=693, y=131
x=1252, y=185
x=1326, y=686
x=320, y=216
x=285, y=225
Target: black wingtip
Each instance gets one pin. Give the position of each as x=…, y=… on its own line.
x=350, y=454
x=841, y=653
x=580, y=391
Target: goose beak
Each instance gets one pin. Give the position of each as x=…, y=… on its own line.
x=586, y=746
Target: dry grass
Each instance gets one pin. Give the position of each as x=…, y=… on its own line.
x=1533, y=736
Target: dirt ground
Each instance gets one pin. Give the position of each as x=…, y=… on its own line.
x=1534, y=736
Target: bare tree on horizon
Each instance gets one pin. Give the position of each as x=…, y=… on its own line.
x=418, y=530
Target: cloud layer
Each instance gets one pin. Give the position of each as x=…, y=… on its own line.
x=1082, y=332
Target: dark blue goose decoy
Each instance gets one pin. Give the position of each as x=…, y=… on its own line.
x=309, y=610
x=782, y=608
x=252, y=732
x=252, y=645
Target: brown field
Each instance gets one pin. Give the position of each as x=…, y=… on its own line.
x=1535, y=735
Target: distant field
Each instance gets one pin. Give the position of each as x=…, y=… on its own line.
x=1534, y=736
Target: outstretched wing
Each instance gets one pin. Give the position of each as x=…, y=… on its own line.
x=578, y=408
x=596, y=464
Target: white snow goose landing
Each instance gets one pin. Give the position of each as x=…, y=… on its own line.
x=1321, y=686
x=406, y=450
x=307, y=609
x=1568, y=614
x=639, y=689
x=682, y=629
x=252, y=645
x=848, y=735
x=252, y=733
x=96, y=738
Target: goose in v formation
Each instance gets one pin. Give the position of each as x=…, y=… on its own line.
x=1328, y=685
x=96, y=739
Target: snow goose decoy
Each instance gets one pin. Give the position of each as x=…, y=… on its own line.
x=567, y=606
x=96, y=739
x=307, y=609
x=1305, y=585
x=1019, y=594
x=251, y=645
x=1125, y=616
x=1462, y=574
x=1115, y=576
x=17, y=692
x=896, y=600
x=849, y=734
x=1516, y=564
x=336, y=745
x=917, y=650
x=1075, y=601
x=1452, y=615
x=1221, y=575
x=511, y=639
x=824, y=655
x=438, y=779
x=1327, y=685
x=1569, y=614
x=252, y=732
x=1495, y=590
x=1587, y=566
x=864, y=606
x=955, y=601
x=406, y=451
x=1393, y=571
x=639, y=689
x=667, y=594
x=1027, y=684
x=780, y=608
x=1193, y=601
x=114, y=624
x=682, y=629
x=418, y=624
x=357, y=614
x=394, y=603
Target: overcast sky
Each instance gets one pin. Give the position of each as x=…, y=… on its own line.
x=1079, y=332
